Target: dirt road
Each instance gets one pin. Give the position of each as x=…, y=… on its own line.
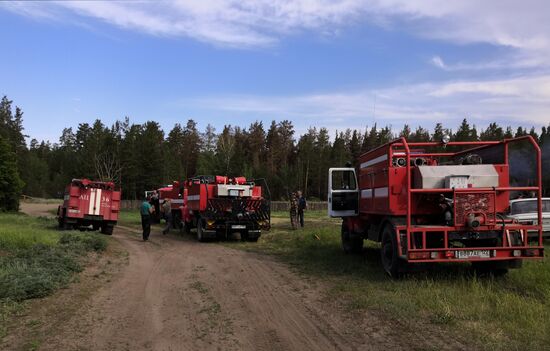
x=178, y=294
x=182, y=295
x=38, y=209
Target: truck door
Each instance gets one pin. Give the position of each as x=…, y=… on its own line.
x=343, y=192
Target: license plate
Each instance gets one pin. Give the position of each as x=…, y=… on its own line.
x=238, y=226
x=473, y=254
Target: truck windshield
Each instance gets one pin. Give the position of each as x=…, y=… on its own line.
x=529, y=206
x=343, y=180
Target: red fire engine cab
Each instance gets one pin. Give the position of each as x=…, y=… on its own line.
x=436, y=202
x=218, y=206
x=89, y=203
x=176, y=193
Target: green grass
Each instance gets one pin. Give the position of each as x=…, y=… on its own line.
x=129, y=217
x=36, y=259
x=512, y=312
x=20, y=231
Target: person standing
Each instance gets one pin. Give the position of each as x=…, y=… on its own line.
x=302, y=206
x=293, y=211
x=155, y=202
x=167, y=214
x=146, y=210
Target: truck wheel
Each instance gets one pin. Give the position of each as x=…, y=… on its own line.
x=351, y=244
x=60, y=223
x=176, y=222
x=200, y=234
x=186, y=227
x=63, y=225
x=107, y=229
x=391, y=262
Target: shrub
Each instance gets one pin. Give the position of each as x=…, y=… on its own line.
x=83, y=242
x=38, y=270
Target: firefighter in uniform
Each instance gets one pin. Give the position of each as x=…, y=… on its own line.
x=293, y=211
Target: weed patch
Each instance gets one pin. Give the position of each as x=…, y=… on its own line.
x=36, y=260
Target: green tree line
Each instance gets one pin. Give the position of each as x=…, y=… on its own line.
x=139, y=157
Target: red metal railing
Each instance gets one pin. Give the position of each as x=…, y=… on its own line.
x=408, y=228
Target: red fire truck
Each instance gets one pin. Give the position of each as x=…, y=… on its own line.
x=218, y=206
x=89, y=203
x=437, y=202
x=175, y=192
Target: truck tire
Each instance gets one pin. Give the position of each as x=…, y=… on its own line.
x=60, y=223
x=391, y=262
x=176, y=220
x=107, y=229
x=186, y=227
x=62, y=220
x=200, y=234
x=350, y=244
x=63, y=225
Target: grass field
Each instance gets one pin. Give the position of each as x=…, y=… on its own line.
x=36, y=259
x=129, y=218
x=512, y=312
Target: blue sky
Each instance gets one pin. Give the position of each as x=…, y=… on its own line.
x=339, y=64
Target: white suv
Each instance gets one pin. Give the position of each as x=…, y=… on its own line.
x=525, y=211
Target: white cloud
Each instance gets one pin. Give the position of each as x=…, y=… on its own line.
x=517, y=61
x=240, y=23
x=517, y=24
x=522, y=27
x=438, y=62
x=520, y=24
x=521, y=101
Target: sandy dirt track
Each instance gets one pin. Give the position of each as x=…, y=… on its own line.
x=182, y=295
x=177, y=294
x=38, y=209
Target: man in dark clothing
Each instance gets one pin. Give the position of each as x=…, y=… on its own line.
x=146, y=210
x=155, y=202
x=302, y=205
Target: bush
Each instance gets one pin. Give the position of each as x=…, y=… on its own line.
x=83, y=242
x=36, y=272
x=39, y=270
